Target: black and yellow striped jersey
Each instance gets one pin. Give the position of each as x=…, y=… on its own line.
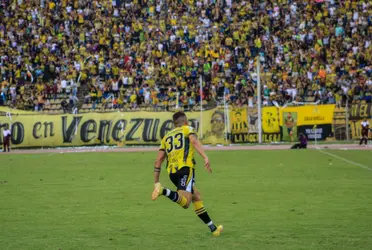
x=179, y=150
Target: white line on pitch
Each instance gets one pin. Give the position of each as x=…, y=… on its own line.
x=346, y=160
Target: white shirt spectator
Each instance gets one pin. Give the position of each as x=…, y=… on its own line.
x=115, y=86
x=172, y=38
x=147, y=96
x=250, y=102
x=367, y=44
x=365, y=124
x=326, y=40
x=64, y=84
x=294, y=9
x=77, y=66
x=34, y=14
x=12, y=90
x=276, y=11
x=287, y=19
x=345, y=89
x=332, y=11
x=228, y=12
x=206, y=22
x=160, y=47
x=116, y=13
x=228, y=3
x=292, y=92
x=158, y=7
x=310, y=75
x=125, y=80
x=6, y=133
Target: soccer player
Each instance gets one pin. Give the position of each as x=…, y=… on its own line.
x=7, y=135
x=365, y=128
x=178, y=147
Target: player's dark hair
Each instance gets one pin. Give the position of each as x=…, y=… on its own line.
x=179, y=118
x=238, y=113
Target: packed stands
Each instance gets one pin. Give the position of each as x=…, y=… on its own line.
x=129, y=55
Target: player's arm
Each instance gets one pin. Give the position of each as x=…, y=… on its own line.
x=199, y=148
x=157, y=166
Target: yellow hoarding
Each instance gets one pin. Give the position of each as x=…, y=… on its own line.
x=106, y=128
x=310, y=115
x=270, y=120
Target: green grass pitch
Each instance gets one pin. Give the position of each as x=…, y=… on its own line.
x=264, y=199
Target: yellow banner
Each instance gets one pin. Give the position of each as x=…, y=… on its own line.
x=308, y=115
x=239, y=121
x=270, y=120
x=107, y=128
x=360, y=111
x=244, y=125
x=357, y=113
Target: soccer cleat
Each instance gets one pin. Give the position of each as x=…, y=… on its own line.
x=157, y=191
x=218, y=231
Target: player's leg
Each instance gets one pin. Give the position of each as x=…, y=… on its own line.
x=185, y=197
x=290, y=133
x=183, y=180
x=202, y=213
x=8, y=144
x=362, y=139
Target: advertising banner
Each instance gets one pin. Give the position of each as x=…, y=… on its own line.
x=310, y=115
x=320, y=132
x=132, y=128
x=270, y=120
x=244, y=125
x=295, y=120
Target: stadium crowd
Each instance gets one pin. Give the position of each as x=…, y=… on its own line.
x=148, y=52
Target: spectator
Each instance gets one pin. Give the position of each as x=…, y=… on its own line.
x=64, y=106
x=302, y=142
x=307, y=49
x=7, y=135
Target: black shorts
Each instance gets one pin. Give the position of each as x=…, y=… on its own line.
x=364, y=132
x=184, y=179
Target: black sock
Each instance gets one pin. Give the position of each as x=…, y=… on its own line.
x=172, y=195
x=203, y=215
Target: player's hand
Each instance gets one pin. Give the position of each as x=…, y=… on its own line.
x=207, y=165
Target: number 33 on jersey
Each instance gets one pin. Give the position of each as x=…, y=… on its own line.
x=180, y=152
